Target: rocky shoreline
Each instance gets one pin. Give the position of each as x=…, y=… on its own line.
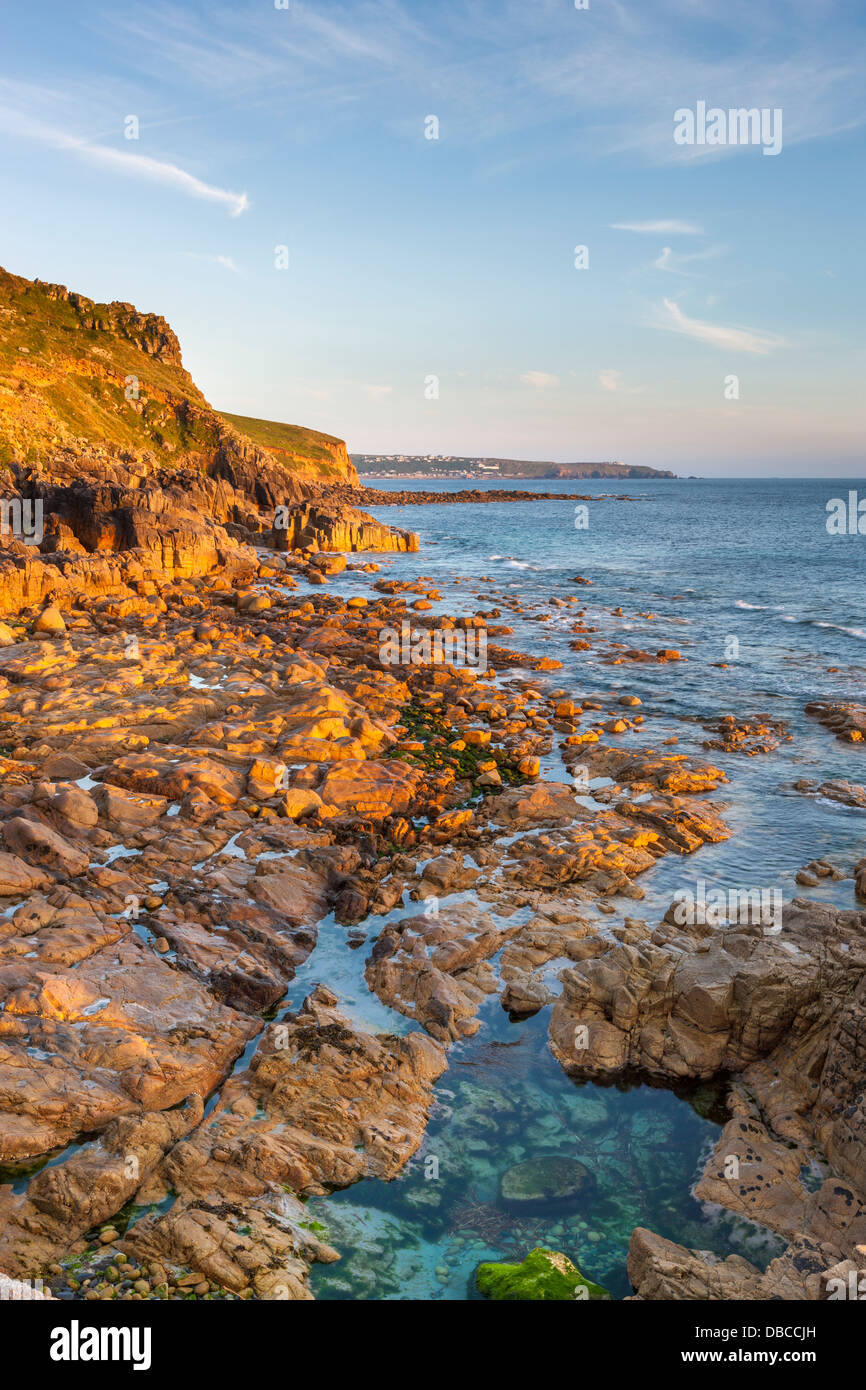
x=383, y=497
x=205, y=759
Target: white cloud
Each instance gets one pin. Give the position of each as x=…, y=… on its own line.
x=718, y=335
x=155, y=171
x=125, y=162
x=540, y=379
x=775, y=56
x=226, y=261
x=674, y=262
x=377, y=391
x=664, y=227
x=612, y=380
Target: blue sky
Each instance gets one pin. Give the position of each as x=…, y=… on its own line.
x=412, y=257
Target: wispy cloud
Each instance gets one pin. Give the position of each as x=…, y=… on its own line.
x=502, y=65
x=543, y=380
x=674, y=263
x=664, y=227
x=246, y=50
x=125, y=162
x=226, y=261
x=377, y=392
x=716, y=334
x=612, y=380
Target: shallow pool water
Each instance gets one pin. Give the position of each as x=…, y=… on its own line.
x=504, y=1100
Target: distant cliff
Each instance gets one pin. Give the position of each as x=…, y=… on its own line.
x=455, y=466
x=77, y=376
x=306, y=452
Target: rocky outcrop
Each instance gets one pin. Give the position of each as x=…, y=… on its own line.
x=749, y=736
x=130, y=581
x=319, y=526
x=379, y=497
x=692, y=1001
x=322, y=1105
x=82, y=376
x=285, y=1119
x=186, y=519
x=148, y=332
x=844, y=719
x=807, y=1271
x=780, y=1008
x=307, y=454
x=659, y=1269
x=433, y=968
x=846, y=793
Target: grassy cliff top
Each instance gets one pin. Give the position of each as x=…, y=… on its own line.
x=324, y=453
x=75, y=373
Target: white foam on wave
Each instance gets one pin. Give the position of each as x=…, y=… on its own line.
x=857, y=632
x=512, y=563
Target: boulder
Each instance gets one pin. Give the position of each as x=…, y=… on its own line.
x=545, y=1182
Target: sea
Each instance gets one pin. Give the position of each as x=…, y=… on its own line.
x=766, y=605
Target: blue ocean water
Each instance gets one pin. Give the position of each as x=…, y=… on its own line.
x=744, y=573
x=753, y=558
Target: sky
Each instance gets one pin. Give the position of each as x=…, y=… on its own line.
x=364, y=217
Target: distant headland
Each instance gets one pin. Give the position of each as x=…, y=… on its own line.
x=453, y=466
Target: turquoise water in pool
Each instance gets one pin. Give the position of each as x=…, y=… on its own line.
x=505, y=1100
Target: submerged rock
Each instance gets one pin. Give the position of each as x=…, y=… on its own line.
x=542, y=1181
x=544, y=1274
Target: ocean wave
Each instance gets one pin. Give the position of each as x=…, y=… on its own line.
x=857, y=632
x=513, y=564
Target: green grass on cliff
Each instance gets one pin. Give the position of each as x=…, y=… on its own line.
x=67, y=366
x=64, y=370
x=325, y=452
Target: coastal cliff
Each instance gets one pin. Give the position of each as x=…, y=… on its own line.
x=74, y=373
x=104, y=428
x=308, y=453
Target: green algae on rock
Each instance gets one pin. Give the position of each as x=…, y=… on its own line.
x=544, y=1274
x=545, y=1181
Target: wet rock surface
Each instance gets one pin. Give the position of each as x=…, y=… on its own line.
x=846, y=720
